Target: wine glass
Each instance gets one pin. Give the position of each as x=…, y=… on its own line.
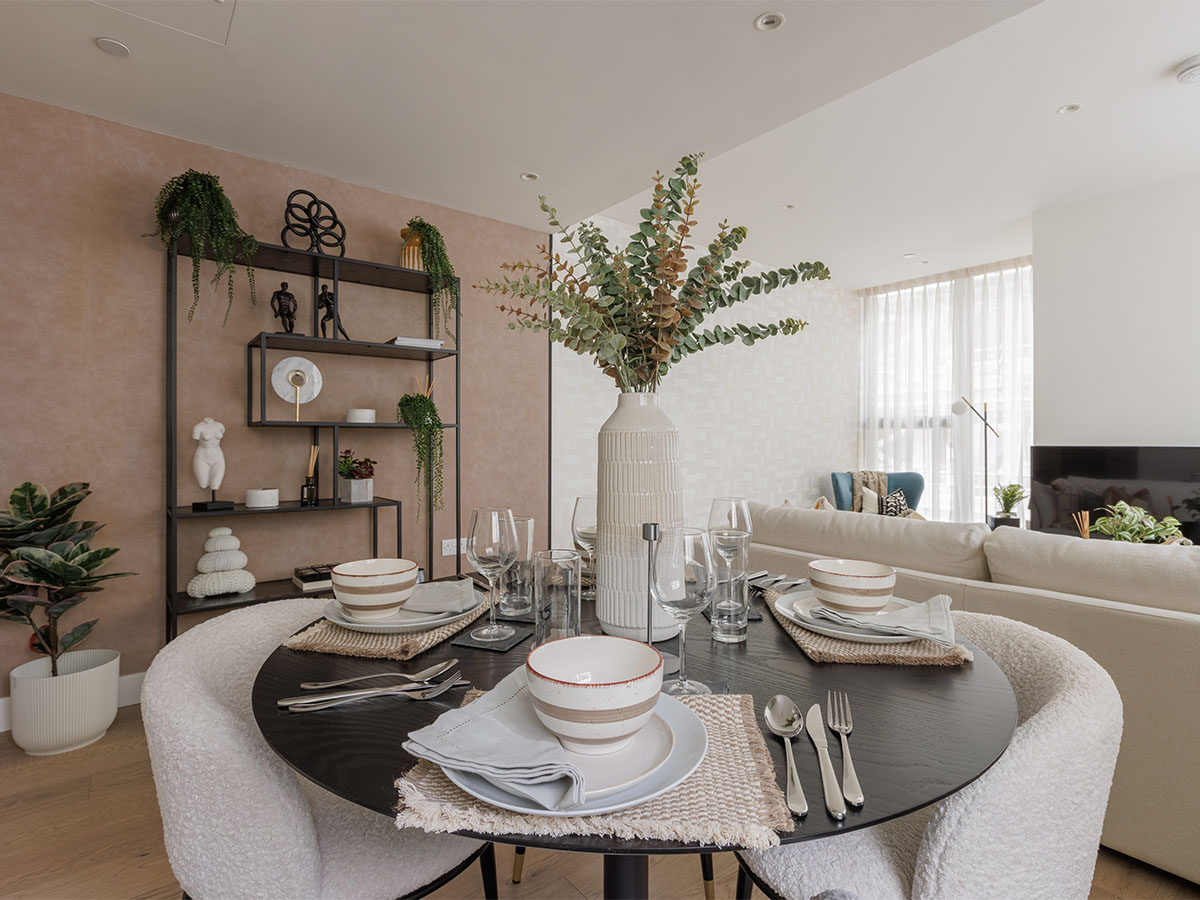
x=492, y=549
x=683, y=585
x=583, y=528
x=729, y=526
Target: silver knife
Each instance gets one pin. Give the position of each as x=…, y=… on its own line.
x=833, y=793
x=346, y=695
x=424, y=675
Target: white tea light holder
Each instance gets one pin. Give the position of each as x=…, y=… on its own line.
x=360, y=415
x=296, y=380
x=262, y=498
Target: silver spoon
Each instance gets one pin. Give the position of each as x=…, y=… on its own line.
x=784, y=720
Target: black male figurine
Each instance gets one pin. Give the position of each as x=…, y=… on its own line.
x=326, y=301
x=284, y=306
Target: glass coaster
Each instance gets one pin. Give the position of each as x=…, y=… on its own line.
x=465, y=640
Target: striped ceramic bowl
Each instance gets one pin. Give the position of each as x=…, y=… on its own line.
x=374, y=588
x=594, y=691
x=850, y=585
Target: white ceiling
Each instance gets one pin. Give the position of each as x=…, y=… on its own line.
x=948, y=158
x=894, y=125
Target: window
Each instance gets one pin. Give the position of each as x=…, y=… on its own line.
x=927, y=343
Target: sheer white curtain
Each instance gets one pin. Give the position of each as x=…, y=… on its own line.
x=925, y=344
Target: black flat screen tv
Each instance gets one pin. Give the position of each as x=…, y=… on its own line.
x=1165, y=481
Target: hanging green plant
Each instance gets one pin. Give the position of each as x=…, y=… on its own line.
x=195, y=204
x=442, y=282
x=420, y=413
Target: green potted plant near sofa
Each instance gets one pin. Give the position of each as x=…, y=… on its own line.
x=356, y=478
x=1008, y=496
x=1134, y=525
x=68, y=697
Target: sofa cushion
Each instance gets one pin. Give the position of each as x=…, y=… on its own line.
x=1146, y=575
x=941, y=548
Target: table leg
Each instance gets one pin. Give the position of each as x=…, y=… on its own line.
x=626, y=877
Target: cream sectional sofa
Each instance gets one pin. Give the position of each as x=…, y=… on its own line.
x=1134, y=609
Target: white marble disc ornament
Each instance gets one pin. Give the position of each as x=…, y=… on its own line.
x=296, y=380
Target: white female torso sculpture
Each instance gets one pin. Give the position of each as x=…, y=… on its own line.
x=208, y=462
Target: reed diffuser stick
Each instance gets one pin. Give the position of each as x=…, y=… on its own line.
x=312, y=459
x=1083, y=520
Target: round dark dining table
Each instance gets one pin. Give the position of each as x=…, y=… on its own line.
x=920, y=732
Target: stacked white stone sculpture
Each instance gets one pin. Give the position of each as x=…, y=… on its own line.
x=222, y=567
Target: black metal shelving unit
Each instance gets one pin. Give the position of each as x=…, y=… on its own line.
x=334, y=270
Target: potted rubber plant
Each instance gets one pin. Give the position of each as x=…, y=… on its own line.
x=1008, y=496
x=195, y=204
x=356, y=478
x=67, y=698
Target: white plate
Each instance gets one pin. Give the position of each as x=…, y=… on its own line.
x=691, y=743
x=795, y=608
x=396, y=624
x=608, y=773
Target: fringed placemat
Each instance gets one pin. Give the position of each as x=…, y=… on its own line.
x=731, y=800
x=326, y=637
x=820, y=648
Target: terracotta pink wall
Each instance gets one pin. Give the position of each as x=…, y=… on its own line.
x=83, y=361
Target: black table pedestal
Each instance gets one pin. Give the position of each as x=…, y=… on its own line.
x=626, y=876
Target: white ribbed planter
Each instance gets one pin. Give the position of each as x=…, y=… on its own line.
x=67, y=711
x=637, y=480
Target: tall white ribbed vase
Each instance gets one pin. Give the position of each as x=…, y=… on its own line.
x=637, y=481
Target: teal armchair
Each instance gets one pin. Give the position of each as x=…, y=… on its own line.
x=912, y=483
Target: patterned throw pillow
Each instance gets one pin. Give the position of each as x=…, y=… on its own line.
x=894, y=504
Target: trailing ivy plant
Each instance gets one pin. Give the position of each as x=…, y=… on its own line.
x=442, y=282
x=48, y=565
x=638, y=311
x=1134, y=525
x=195, y=204
x=420, y=413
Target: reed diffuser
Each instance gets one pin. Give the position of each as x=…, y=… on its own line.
x=1083, y=521
x=308, y=493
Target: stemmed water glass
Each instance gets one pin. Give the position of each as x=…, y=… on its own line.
x=729, y=526
x=492, y=549
x=683, y=585
x=583, y=529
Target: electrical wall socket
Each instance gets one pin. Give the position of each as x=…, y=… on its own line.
x=448, y=547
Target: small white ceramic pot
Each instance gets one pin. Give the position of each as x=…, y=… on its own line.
x=594, y=692
x=262, y=498
x=54, y=714
x=374, y=588
x=356, y=490
x=360, y=415
x=850, y=585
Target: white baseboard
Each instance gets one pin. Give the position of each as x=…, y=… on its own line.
x=129, y=693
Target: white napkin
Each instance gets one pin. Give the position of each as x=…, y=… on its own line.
x=441, y=597
x=500, y=737
x=929, y=620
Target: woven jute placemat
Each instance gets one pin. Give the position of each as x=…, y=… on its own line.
x=326, y=637
x=731, y=800
x=820, y=648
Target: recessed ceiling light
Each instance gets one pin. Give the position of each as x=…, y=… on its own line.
x=529, y=176
x=769, y=21
x=788, y=206
x=1069, y=108
x=1188, y=71
x=114, y=47
x=909, y=256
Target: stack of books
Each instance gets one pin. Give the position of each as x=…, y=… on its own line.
x=314, y=578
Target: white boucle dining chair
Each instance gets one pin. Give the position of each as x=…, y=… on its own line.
x=1029, y=827
x=237, y=822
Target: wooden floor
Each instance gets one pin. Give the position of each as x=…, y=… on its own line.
x=86, y=825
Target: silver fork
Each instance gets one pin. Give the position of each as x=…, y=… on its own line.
x=425, y=694
x=837, y=708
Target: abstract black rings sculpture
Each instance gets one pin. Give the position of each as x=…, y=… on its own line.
x=313, y=220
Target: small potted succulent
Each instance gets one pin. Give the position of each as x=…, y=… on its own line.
x=356, y=481
x=68, y=697
x=1008, y=496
